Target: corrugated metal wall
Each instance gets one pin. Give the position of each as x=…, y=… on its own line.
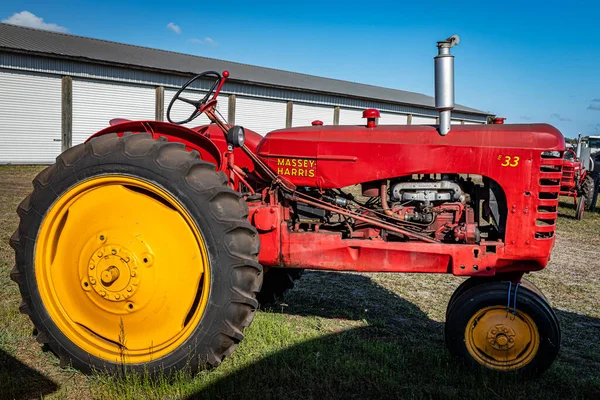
x=393, y=119
x=261, y=116
x=96, y=103
x=122, y=74
x=419, y=120
x=350, y=116
x=30, y=117
x=113, y=94
x=305, y=114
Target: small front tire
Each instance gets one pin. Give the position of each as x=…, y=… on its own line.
x=481, y=331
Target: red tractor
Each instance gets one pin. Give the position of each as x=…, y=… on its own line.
x=151, y=244
x=577, y=183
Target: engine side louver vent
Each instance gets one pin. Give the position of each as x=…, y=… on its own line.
x=551, y=174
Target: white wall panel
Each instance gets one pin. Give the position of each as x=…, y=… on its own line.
x=30, y=118
x=259, y=115
x=419, y=120
x=96, y=103
x=305, y=114
x=349, y=116
x=393, y=119
x=182, y=111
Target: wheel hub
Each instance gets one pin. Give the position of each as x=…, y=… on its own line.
x=113, y=273
x=106, y=236
x=501, y=340
x=501, y=337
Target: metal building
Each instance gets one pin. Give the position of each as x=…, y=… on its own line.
x=57, y=89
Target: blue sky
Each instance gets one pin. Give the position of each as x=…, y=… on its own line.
x=533, y=61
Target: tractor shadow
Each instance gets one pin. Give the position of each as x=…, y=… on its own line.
x=18, y=381
x=400, y=353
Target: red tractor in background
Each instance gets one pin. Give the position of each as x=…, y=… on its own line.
x=151, y=244
x=576, y=183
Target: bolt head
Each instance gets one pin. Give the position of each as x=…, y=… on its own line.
x=113, y=251
x=117, y=296
x=102, y=293
x=92, y=281
x=99, y=254
x=129, y=289
x=92, y=266
x=133, y=273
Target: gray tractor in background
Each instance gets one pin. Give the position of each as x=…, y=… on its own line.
x=588, y=152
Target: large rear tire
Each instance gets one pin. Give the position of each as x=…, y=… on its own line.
x=587, y=191
x=132, y=252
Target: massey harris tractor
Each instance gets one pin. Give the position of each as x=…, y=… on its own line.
x=151, y=245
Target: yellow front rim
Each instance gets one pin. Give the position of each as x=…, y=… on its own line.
x=501, y=340
x=122, y=269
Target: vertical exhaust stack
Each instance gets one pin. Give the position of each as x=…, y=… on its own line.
x=444, y=82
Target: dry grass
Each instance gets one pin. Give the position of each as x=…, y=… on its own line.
x=337, y=335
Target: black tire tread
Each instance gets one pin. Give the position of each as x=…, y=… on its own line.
x=474, y=281
x=587, y=191
x=202, y=178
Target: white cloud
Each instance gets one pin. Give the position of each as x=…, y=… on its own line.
x=174, y=28
x=25, y=18
x=206, y=40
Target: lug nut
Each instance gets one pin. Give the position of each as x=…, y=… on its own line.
x=102, y=293
x=129, y=289
x=99, y=254
x=92, y=281
x=117, y=296
x=114, y=251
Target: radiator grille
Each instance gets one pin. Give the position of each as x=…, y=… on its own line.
x=551, y=174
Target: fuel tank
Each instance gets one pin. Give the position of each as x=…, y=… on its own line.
x=339, y=156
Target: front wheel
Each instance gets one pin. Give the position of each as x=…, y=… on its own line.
x=580, y=207
x=133, y=252
x=483, y=330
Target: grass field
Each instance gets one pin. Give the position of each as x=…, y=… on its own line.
x=336, y=336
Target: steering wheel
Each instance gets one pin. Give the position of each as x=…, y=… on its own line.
x=198, y=104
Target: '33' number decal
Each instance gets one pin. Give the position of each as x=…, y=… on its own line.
x=509, y=161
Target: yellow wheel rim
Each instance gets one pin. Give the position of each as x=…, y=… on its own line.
x=122, y=269
x=501, y=340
